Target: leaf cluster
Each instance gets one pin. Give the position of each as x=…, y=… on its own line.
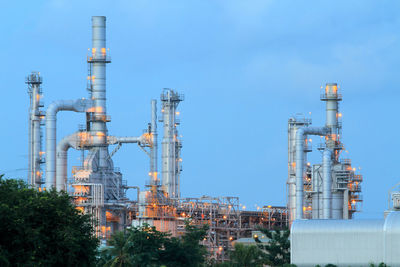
x=277, y=249
x=145, y=246
x=42, y=228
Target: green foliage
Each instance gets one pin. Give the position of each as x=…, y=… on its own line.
x=330, y=265
x=186, y=251
x=277, y=248
x=145, y=246
x=42, y=228
x=380, y=265
x=246, y=256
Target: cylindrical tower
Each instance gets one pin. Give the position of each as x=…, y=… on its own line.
x=332, y=97
x=170, y=143
x=332, y=199
x=98, y=115
x=34, y=82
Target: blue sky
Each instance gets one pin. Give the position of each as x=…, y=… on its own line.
x=244, y=67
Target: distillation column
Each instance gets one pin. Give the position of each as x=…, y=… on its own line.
x=98, y=62
x=332, y=201
x=170, y=144
x=36, y=116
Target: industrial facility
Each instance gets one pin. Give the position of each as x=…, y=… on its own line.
x=97, y=186
x=322, y=197
x=327, y=190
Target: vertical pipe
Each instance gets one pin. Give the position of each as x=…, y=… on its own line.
x=154, y=147
x=30, y=147
x=300, y=136
x=62, y=159
x=36, y=136
x=327, y=184
x=299, y=172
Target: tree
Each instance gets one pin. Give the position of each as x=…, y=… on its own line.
x=277, y=248
x=186, y=250
x=246, y=256
x=145, y=246
x=137, y=246
x=118, y=254
x=42, y=228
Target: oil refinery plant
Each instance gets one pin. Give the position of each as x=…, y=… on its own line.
x=322, y=197
x=97, y=186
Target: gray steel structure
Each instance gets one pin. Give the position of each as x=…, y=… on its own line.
x=96, y=186
x=330, y=190
x=36, y=116
x=346, y=242
x=171, y=145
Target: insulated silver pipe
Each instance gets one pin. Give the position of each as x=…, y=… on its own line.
x=301, y=134
x=62, y=158
x=35, y=117
x=112, y=140
x=79, y=105
x=154, y=147
x=327, y=184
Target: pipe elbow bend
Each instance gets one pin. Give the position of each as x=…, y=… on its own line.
x=68, y=142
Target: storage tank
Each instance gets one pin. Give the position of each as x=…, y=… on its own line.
x=346, y=242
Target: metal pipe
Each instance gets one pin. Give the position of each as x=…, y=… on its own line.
x=112, y=140
x=36, y=136
x=154, y=147
x=327, y=184
x=79, y=105
x=300, y=136
x=73, y=141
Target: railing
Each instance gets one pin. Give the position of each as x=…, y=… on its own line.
x=99, y=56
x=331, y=96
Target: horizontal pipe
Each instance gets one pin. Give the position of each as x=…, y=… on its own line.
x=79, y=105
x=111, y=140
